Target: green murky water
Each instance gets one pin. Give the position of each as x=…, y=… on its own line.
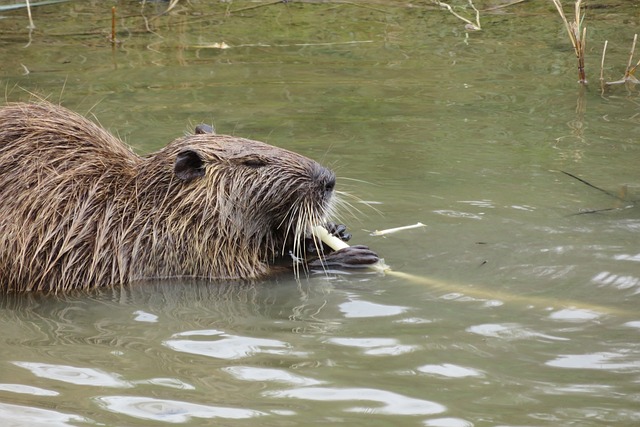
x=533, y=318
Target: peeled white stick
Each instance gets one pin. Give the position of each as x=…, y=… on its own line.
x=471, y=290
x=336, y=244
x=396, y=229
x=332, y=241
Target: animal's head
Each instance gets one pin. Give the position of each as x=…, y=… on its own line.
x=246, y=193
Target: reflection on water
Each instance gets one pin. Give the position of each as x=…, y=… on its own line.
x=249, y=373
x=74, y=375
x=169, y=411
x=225, y=346
x=19, y=415
x=447, y=422
x=450, y=371
x=355, y=309
x=607, y=361
x=390, y=403
x=509, y=332
x=530, y=314
x=375, y=346
x=26, y=389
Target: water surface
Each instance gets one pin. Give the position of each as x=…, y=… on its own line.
x=527, y=315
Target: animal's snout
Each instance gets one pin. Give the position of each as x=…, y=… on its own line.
x=325, y=178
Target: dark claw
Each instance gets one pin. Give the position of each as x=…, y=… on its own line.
x=338, y=230
x=352, y=257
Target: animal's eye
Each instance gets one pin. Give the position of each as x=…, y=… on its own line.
x=254, y=162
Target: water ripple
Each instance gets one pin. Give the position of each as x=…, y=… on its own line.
x=574, y=315
x=450, y=370
x=143, y=316
x=627, y=257
x=171, y=411
x=18, y=415
x=621, y=282
x=509, y=331
x=356, y=308
x=226, y=346
x=27, y=389
x=479, y=203
x=457, y=214
x=605, y=361
x=375, y=346
x=74, y=375
x=447, y=422
x=593, y=390
x=249, y=373
x=392, y=403
x=167, y=382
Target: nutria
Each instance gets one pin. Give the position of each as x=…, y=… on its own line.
x=79, y=209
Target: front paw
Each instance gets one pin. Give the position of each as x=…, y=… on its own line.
x=338, y=230
x=351, y=257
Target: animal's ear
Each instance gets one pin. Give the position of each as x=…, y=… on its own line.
x=189, y=165
x=202, y=129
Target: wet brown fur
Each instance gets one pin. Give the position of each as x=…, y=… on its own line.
x=78, y=209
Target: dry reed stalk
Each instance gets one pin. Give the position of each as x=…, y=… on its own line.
x=629, y=73
x=604, y=51
x=31, y=24
x=577, y=34
x=469, y=25
x=113, y=25
x=171, y=5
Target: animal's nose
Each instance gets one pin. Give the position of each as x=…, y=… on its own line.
x=330, y=182
x=325, y=178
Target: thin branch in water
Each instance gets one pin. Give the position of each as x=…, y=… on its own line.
x=595, y=211
x=608, y=193
x=633, y=49
x=470, y=25
x=602, y=82
x=113, y=26
x=31, y=24
x=171, y=5
x=621, y=197
x=629, y=74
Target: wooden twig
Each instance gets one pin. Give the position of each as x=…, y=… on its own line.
x=469, y=25
x=608, y=193
x=171, y=5
x=602, y=82
x=596, y=211
x=629, y=73
x=31, y=24
x=113, y=25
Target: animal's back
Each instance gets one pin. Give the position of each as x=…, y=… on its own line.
x=57, y=170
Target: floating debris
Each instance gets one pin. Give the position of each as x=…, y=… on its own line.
x=396, y=229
